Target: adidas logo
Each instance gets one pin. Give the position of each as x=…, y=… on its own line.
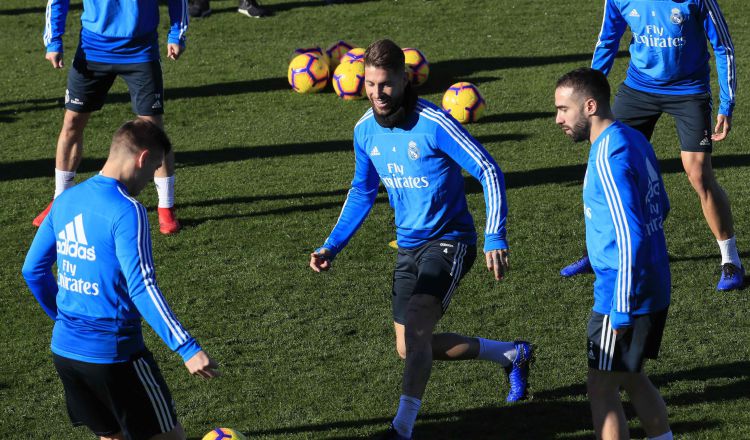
x=72, y=241
x=634, y=13
x=705, y=142
x=157, y=104
x=375, y=151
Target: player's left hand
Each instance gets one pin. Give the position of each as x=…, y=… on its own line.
x=321, y=261
x=202, y=365
x=723, y=125
x=174, y=51
x=497, y=262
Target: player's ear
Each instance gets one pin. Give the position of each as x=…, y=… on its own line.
x=142, y=158
x=590, y=106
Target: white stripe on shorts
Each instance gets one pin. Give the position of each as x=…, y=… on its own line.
x=606, y=345
x=456, y=270
x=160, y=405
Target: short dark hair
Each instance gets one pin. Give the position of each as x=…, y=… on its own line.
x=588, y=82
x=138, y=135
x=385, y=54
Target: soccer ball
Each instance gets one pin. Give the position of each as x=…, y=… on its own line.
x=336, y=51
x=349, y=80
x=317, y=51
x=417, y=67
x=224, y=434
x=356, y=55
x=464, y=102
x=307, y=73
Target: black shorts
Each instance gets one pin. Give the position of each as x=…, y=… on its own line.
x=131, y=397
x=434, y=268
x=626, y=352
x=89, y=82
x=692, y=115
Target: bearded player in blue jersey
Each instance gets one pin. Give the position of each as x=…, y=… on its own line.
x=99, y=236
x=625, y=205
x=669, y=73
x=417, y=151
x=118, y=38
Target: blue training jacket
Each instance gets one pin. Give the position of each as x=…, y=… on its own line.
x=625, y=205
x=668, y=51
x=420, y=167
x=117, y=32
x=100, y=238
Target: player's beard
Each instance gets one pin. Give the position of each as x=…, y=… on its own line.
x=581, y=131
x=391, y=105
x=397, y=112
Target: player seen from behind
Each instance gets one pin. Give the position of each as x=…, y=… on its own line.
x=99, y=236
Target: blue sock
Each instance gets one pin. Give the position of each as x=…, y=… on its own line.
x=408, y=408
x=503, y=353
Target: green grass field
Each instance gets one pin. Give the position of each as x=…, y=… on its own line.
x=262, y=173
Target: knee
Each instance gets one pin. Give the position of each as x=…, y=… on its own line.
x=74, y=121
x=118, y=436
x=701, y=178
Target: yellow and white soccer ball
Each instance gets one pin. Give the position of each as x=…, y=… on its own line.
x=349, y=80
x=356, y=55
x=315, y=50
x=464, y=102
x=307, y=73
x=336, y=51
x=417, y=67
x=224, y=434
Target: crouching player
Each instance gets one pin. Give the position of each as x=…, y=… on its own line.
x=98, y=235
x=625, y=205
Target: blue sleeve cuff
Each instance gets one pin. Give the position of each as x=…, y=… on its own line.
x=620, y=320
x=494, y=242
x=55, y=46
x=188, y=349
x=331, y=248
x=171, y=39
x=726, y=108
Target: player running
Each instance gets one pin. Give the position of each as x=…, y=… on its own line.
x=98, y=235
x=118, y=38
x=418, y=151
x=625, y=205
x=669, y=73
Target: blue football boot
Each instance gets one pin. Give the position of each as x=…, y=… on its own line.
x=732, y=277
x=518, y=372
x=577, y=268
x=392, y=434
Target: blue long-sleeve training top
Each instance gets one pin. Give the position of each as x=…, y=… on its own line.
x=625, y=205
x=668, y=51
x=117, y=32
x=100, y=239
x=420, y=163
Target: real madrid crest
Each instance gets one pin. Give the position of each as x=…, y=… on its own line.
x=676, y=16
x=413, y=150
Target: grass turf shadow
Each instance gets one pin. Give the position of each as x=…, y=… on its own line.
x=550, y=413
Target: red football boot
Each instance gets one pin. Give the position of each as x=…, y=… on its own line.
x=168, y=223
x=42, y=215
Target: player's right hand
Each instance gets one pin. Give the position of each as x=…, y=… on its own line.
x=497, y=262
x=320, y=261
x=56, y=58
x=202, y=365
